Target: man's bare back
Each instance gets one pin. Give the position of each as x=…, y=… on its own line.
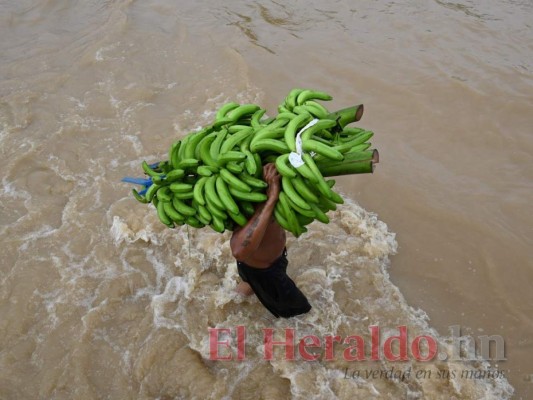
x=259, y=248
x=270, y=247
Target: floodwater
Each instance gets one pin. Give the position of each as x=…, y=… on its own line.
x=99, y=300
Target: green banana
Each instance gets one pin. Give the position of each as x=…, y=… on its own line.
x=306, y=172
x=149, y=171
x=270, y=144
x=247, y=208
x=301, y=211
x=173, y=153
x=234, y=167
x=290, y=100
x=203, y=220
x=241, y=111
x=322, y=149
x=245, y=144
x=264, y=132
x=295, y=124
x=280, y=217
x=164, y=194
x=230, y=156
x=235, y=139
x=198, y=190
x=204, y=213
x=225, y=196
x=318, y=107
x=159, y=180
x=206, y=170
x=217, y=224
x=183, y=195
x=233, y=181
x=192, y=143
x=172, y=213
x=180, y=187
x=252, y=181
x=183, y=208
x=256, y=118
x=192, y=221
x=240, y=219
x=304, y=220
x=254, y=197
x=163, y=217
x=312, y=95
x=322, y=186
x=319, y=214
x=221, y=122
x=259, y=163
x=276, y=133
x=310, y=109
x=283, y=109
x=237, y=128
x=221, y=113
x=249, y=163
x=214, y=150
x=317, y=128
x=303, y=189
x=286, y=115
x=284, y=168
x=204, y=150
x=175, y=175
x=326, y=204
x=352, y=146
x=211, y=193
x=150, y=193
x=187, y=163
x=289, y=214
x=215, y=211
x=289, y=190
x=138, y=197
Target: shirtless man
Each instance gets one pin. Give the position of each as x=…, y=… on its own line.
x=259, y=248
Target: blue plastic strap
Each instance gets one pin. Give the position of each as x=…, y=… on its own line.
x=138, y=181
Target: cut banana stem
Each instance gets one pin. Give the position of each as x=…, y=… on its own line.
x=347, y=115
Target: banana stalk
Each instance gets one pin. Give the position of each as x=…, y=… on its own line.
x=347, y=115
x=356, y=163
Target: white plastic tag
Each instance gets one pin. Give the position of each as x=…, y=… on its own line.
x=296, y=158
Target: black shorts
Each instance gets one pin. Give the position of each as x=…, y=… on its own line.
x=274, y=289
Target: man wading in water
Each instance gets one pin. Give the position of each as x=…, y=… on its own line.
x=259, y=247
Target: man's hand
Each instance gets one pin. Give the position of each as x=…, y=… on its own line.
x=271, y=176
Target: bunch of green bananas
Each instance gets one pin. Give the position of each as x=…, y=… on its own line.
x=213, y=176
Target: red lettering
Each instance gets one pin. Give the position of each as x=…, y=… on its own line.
x=269, y=343
x=329, y=346
x=402, y=339
x=359, y=347
x=432, y=348
x=214, y=343
x=241, y=341
x=374, y=331
x=315, y=342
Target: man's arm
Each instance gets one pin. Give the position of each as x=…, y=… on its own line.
x=246, y=240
